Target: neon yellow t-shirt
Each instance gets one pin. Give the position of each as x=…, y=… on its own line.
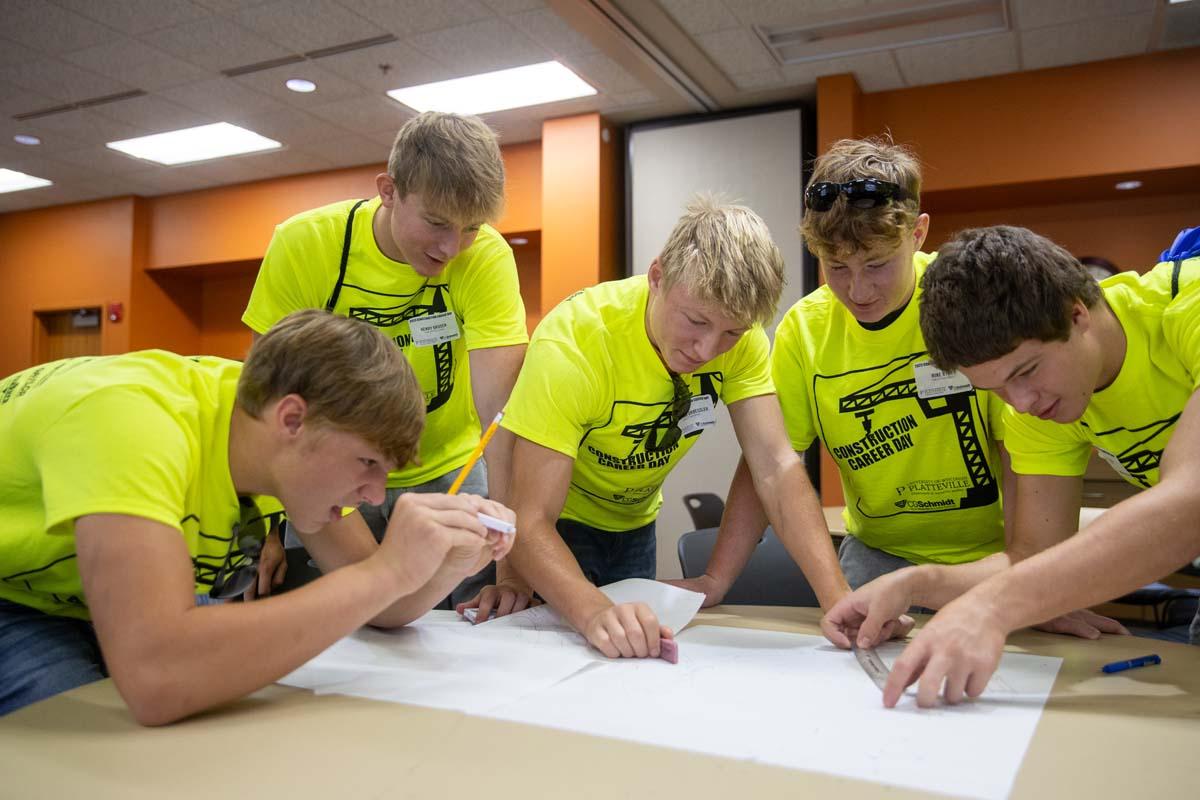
x=1130, y=421
x=478, y=290
x=593, y=387
x=921, y=475
x=144, y=434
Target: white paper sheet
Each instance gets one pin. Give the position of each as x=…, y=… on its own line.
x=796, y=701
x=436, y=662
x=542, y=625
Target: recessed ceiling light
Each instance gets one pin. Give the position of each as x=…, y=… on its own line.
x=13, y=181
x=530, y=85
x=300, y=85
x=518, y=240
x=24, y=138
x=201, y=143
x=1125, y=186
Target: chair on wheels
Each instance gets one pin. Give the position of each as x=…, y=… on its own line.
x=705, y=509
x=771, y=577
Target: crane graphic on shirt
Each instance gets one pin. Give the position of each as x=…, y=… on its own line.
x=1141, y=449
x=429, y=299
x=709, y=385
x=865, y=394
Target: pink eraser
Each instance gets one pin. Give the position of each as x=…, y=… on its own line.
x=668, y=650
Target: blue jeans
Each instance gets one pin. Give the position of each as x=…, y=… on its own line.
x=42, y=655
x=606, y=557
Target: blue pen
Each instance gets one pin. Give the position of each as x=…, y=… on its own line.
x=1120, y=666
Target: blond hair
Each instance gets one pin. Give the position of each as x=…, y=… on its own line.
x=843, y=229
x=350, y=374
x=724, y=255
x=453, y=162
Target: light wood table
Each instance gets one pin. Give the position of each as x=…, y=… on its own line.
x=1130, y=738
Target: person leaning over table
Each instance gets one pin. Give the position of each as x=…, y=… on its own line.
x=134, y=490
x=620, y=381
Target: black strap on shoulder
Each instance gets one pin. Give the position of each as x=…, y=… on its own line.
x=337, y=287
x=1175, y=277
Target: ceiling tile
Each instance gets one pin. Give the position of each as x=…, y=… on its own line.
x=172, y=180
x=330, y=86
x=16, y=99
x=105, y=160
x=736, y=51
x=347, y=150
x=13, y=53
x=152, y=114
x=369, y=113
x=387, y=66
x=1030, y=14
x=418, y=16
x=754, y=81
x=137, y=16
x=290, y=126
x=875, y=72
x=701, y=16
x=604, y=73
x=216, y=43
x=633, y=99
x=290, y=161
x=784, y=12
x=228, y=7
x=1077, y=42
x=483, y=46
x=220, y=97
x=136, y=64
x=46, y=27
x=513, y=6
x=959, y=59
x=83, y=125
x=59, y=81
x=552, y=32
x=305, y=25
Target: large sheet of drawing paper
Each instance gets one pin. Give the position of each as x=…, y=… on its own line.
x=796, y=701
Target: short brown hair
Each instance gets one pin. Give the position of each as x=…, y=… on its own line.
x=351, y=375
x=725, y=256
x=843, y=230
x=990, y=289
x=453, y=162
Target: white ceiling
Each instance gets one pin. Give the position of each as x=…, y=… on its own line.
x=647, y=58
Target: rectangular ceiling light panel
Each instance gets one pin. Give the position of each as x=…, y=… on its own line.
x=13, y=181
x=201, y=143
x=531, y=85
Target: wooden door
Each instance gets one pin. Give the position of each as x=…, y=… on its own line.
x=66, y=334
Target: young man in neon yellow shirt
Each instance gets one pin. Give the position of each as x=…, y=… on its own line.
x=419, y=263
x=620, y=380
x=134, y=488
x=1113, y=366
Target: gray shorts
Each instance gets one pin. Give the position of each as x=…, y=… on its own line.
x=377, y=520
x=862, y=564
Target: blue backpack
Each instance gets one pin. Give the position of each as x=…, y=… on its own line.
x=1186, y=245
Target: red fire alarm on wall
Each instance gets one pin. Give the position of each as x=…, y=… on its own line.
x=115, y=311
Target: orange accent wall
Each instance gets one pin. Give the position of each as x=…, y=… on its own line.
x=1130, y=232
x=580, y=217
x=522, y=188
x=60, y=258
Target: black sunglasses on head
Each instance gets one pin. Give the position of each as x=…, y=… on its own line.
x=680, y=403
x=248, y=535
x=860, y=193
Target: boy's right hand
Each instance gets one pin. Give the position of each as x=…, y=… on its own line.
x=427, y=528
x=506, y=597
x=627, y=630
x=872, y=613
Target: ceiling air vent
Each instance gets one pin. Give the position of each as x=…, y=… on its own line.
x=88, y=103
x=886, y=26
x=259, y=66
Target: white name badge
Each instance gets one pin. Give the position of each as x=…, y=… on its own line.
x=433, y=329
x=933, y=382
x=701, y=415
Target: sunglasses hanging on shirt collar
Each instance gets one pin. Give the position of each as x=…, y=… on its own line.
x=861, y=193
x=240, y=570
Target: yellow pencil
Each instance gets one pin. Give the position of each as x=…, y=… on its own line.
x=476, y=453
